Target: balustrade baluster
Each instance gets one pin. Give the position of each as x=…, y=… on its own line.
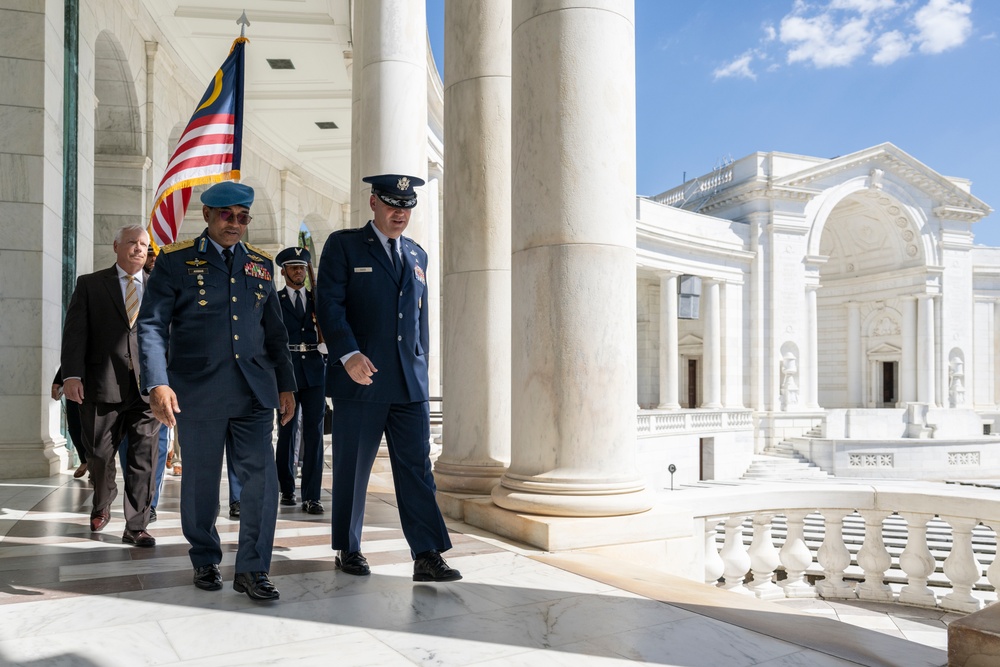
x=796, y=558
x=917, y=561
x=834, y=558
x=714, y=567
x=961, y=567
x=993, y=571
x=734, y=556
x=763, y=560
x=874, y=559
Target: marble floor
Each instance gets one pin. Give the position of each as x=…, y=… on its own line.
x=72, y=597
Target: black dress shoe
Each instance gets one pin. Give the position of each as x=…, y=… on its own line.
x=430, y=566
x=139, y=538
x=208, y=577
x=256, y=585
x=353, y=563
x=234, y=510
x=287, y=499
x=99, y=520
x=312, y=507
x=152, y=514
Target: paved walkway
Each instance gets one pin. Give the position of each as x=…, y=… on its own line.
x=72, y=597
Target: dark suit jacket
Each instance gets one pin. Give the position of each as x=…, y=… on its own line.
x=221, y=331
x=97, y=343
x=310, y=367
x=362, y=305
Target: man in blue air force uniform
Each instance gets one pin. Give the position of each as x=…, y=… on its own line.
x=214, y=360
x=310, y=378
x=372, y=308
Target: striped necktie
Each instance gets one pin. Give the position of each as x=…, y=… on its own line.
x=131, y=301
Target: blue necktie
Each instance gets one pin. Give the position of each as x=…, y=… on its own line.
x=397, y=261
x=300, y=308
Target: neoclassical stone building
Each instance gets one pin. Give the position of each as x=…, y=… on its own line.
x=834, y=298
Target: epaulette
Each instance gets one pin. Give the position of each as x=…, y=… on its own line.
x=180, y=245
x=259, y=251
x=351, y=230
x=409, y=240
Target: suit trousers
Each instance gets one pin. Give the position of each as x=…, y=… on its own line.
x=311, y=402
x=252, y=459
x=103, y=426
x=357, y=430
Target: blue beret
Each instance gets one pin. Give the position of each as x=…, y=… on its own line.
x=227, y=193
x=292, y=256
x=396, y=190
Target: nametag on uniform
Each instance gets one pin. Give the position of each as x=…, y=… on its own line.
x=196, y=272
x=362, y=269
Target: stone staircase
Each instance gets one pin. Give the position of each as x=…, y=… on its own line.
x=781, y=461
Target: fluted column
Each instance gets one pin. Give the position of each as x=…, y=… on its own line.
x=669, y=353
x=712, y=345
x=908, y=362
x=359, y=202
x=855, y=390
x=476, y=302
x=812, y=356
x=925, y=349
x=393, y=99
x=573, y=439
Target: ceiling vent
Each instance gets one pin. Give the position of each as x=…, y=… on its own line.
x=280, y=63
x=326, y=125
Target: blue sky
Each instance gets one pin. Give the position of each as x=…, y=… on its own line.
x=720, y=79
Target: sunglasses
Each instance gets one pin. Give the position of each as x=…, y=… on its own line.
x=228, y=214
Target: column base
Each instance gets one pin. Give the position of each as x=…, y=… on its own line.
x=563, y=533
x=477, y=479
x=30, y=460
x=572, y=499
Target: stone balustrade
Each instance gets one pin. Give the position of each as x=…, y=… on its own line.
x=788, y=570
x=660, y=422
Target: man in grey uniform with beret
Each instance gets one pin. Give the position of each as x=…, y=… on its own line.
x=215, y=362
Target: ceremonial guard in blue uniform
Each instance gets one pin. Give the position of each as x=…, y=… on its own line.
x=310, y=377
x=214, y=360
x=372, y=309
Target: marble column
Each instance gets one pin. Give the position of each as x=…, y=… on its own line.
x=811, y=385
x=573, y=408
x=393, y=101
x=476, y=301
x=908, y=361
x=855, y=388
x=669, y=353
x=31, y=204
x=359, y=201
x=925, y=349
x=711, y=344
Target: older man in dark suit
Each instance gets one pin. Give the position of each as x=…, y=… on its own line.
x=100, y=368
x=212, y=311
x=372, y=308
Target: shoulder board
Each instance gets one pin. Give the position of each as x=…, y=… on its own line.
x=352, y=230
x=259, y=251
x=409, y=240
x=180, y=245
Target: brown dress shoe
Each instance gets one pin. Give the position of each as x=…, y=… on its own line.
x=139, y=538
x=99, y=520
x=80, y=471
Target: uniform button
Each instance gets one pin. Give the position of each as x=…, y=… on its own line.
x=303, y=356
x=401, y=316
x=202, y=292
x=399, y=338
x=259, y=286
x=237, y=356
x=232, y=280
x=236, y=337
x=236, y=317
x=234, y=299
x=400, y=294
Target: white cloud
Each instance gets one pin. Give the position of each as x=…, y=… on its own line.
x=891, y=47
x=770, y=34
x=820, y=41
x=864, y=6
x=942, y=25
x=738, y=68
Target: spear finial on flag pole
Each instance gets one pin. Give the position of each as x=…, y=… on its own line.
x=244, y=23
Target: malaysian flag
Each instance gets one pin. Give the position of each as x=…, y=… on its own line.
x=208, y=151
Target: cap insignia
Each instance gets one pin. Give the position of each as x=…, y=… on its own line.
x=403, y=184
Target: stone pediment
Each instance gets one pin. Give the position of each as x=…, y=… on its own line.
x=953, y=202
x=689, y=339
x=885, y=349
